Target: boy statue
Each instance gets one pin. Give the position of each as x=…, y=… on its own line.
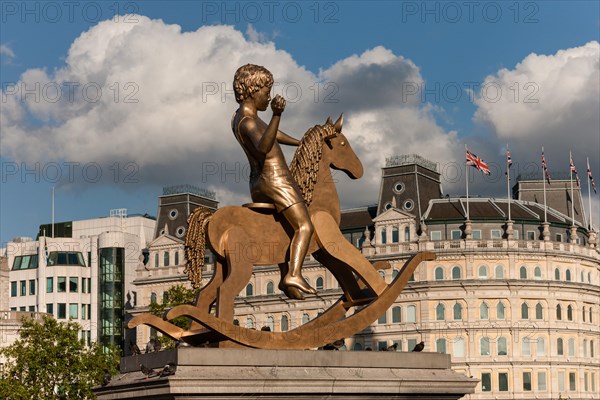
x=270, y=178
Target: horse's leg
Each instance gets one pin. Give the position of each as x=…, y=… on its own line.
x=208, y=294
x=240, y=271
x=332, y=242
x=343, y=274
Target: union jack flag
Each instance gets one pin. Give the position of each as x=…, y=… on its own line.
x=591, y=178
x=508, y=159
x=477, y=162
x=573, y=169
x=545, y=167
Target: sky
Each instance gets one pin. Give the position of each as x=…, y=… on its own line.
x=108, y=102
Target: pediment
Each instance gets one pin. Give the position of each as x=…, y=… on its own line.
x=165, y=240
x=394, y=215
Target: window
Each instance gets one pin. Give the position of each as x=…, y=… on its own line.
x=570, y=312
x=13, y=289
x=483, y=272
x=285, y=323
x=50, y=308
x=411, y=314
x=439, y=274
x=585, y=347
x=440, y=345
x=559, y=237
x=270, y=287
x=383, y=236
x=568, y=275
x=408, y=205
x=582, y=277
x=483, y=311
x=583, y=313
x=486, y=382
x=440, y=312
x=456, y=234
x=436, y=235
x=539, y=311
x=166, y=259
x=399, y=187
x=561, y=381
x=61, y=284
x=495, y=234
x=559, y=347
x=537, y=273
x=484, y=346
x=249, y=290
x=571, y=347
x=500, y=311
x=541, y=347
x=305, y=318
x=591, y=348
x=23, y=285
x=476, y=234
x=394, y=274
x=73, y=283
x=398, y=344
x=502, y=346
x=524, y=311
x=503, y=381
x=525, y=347
x=319, y=283
x=177, y=255
x=411, y=344
x=527, y=381
x=153, y=297
x=407, y=234
x=558, y=312
x=382, y=345
x=357, y=347
x=458, y=347
x=396, y=314
x=557, y=274
x=541, y=381
x=249, y=323
x=382, y=318
x=456, y=273
x=572, y=381
x=84, y=312
x=590, y=315
x=523, y=272
x=499, y=272
x=73, y=310
x=62, y=311
x=457, y=312
x=271, y=323
x=32, y=286
x=530, y=235
x=515, y=234
x=395, y=235
x=156, y=261
x=589, y=277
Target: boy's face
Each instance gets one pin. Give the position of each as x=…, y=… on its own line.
x=262, y=98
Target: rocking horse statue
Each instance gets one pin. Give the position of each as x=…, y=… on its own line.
x=296, y=212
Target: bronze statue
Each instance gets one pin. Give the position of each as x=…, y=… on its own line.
x=262, y=233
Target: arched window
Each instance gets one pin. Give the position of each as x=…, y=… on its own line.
x=382, y=318
x=557, y=274
x=537, y=273
x=456, y=273
x=585, y=347
x=319, y=283
x=458, y=347
x=407, y=234
x=440, y=345
x=560, y=347
x=270, y=287
x=499, y=272
x=156, y=265
x=590, y=315
x=583, y=313
x=570, y=313
x=177, y=258
x=524, y=311
x=591, y=348
x=396, y=314
x=249, y=290
x=166, y=259
x=357, y=347
x=483, y=273
x=440, y=312
x=153, y=297
x=541, y=347
x=558, y=312
x=523, y=272
x=525, y=347
x=582, y=277
x=236, y=322
x=383, y=236
x=568, y=275
x=484, y=346
x=500, y=311
x=381, y=274
x=271, y=323
x=539, y=311
x=589, y=277
x=457, y=311
x=285, y=323
x=305, y=318
x=571, y=347
x=411, y=313
x=439, y=274
x=502, y=346
x=483, y=311
x=395, y=235
x=394, y=273
x=249, y=323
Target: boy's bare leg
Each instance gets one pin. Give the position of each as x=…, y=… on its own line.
x=297, y=216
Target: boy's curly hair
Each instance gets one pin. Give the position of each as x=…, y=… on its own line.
x=250, y=78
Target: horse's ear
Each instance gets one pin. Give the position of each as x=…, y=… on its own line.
x=329, y=121
x=339, y=123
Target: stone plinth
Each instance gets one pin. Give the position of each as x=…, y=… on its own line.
x=206, y=373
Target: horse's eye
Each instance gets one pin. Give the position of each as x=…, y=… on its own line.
x=342, y=143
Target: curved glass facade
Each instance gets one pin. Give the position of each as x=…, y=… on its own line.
x=110, y=296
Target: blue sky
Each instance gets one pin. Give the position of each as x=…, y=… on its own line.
x=534, y=49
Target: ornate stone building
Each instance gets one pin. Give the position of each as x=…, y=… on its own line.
x=515, y=302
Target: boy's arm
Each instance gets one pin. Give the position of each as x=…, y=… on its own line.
x=284, y=138
x=264, y=142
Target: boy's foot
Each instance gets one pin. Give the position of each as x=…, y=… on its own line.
x=293, y=293
x=297, y=282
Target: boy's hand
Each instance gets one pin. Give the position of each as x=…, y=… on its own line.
x=278, y=105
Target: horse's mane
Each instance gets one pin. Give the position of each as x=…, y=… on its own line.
x=305, y=164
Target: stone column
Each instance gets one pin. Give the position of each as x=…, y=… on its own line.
x=546, y=231
x=573, y=234
x=468, y=230
x=592, y=238
x=509, y=229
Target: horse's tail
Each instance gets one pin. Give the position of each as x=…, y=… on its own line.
x=195, y=244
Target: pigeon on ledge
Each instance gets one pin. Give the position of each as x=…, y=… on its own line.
x=419, y=347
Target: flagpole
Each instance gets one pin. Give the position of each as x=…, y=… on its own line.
x=508, y=182
x=572, y=197
x=589, y=192
x=52, y=211
x=544, y=168
x=467, y=184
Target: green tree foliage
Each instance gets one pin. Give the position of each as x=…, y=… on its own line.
x=48, y=361
x=174, y=296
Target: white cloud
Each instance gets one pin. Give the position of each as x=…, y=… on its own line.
x=176, y=124
x=7, y=52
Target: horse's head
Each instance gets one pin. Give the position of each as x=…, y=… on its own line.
x=338, y=150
